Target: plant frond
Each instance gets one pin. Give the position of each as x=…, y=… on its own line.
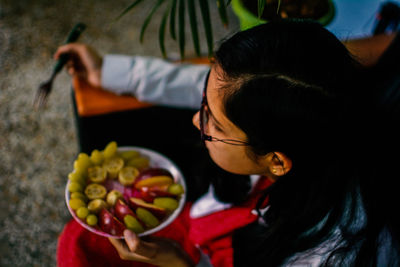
x=148, y=19
x=129, y=8
x=205, y=12
x=193, y=26
x=181, y=35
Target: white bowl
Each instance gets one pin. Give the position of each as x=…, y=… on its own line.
x=157, y=160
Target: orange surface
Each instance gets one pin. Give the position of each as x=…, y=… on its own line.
x=91, y=101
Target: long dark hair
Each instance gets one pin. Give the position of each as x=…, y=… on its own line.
x=292, y=87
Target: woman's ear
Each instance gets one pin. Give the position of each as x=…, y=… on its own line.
x=280, y=164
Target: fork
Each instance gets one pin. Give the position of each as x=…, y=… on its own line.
x=45, y=87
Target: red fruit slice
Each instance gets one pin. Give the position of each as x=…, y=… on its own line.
x=109, y=224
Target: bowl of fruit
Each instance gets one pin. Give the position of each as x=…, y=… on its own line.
x=124, y=188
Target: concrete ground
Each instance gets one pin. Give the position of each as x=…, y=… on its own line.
x=37, y=149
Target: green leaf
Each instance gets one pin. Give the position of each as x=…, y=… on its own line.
x=161, y=32
x=205, y=12
x=181, y=25
x=193, y=26
x=172, y=30
x=222, y=12
x=279, y=6
x=261, y=6
x=126, y=10
x=148, y=19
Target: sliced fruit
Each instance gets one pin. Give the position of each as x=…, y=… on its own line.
x=148, y=194
x=113, y=196
x=150, y=172
x=155, y=181
x=94, y=191
x=121, y=209
x=133, y=224
x=96, y=205
x=110, y=150
x=113, y=166
x=167, y=203
x=136, y=203
x=127, y=175
x=147, y=217
x=109, y=224
x=97, y=174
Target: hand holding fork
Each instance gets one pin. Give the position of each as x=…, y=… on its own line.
x=45, y=88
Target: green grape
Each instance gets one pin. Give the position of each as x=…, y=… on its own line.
x=84, y=160
x=147, y=217
x=78, y=195
x=82, y=212
x=127, y=155
x=96, y=157
x=133, y=224
x=110, y=150
x=166, y=203
x=140, y=163
x=76, y=203
x=76, y=177
x=80, y=168
x=75, y=187
x=91, y=219
x=176, y=189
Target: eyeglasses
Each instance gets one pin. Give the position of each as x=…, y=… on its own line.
x=204, y=117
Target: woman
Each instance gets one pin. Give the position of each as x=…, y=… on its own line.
x=286, y=103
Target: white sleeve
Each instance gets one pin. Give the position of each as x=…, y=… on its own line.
x=155, y=80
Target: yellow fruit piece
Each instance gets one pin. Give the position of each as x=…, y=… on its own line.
x=127, y=175
x=161, y=180
x=113, y=196
x=140, y=163
x=97, y=174
x=96, y=205
x=76, y=203
x=128, y=155
x=79, y=195
x=96, y=157
x=82, y=212
x=91, y=219
x=94, y=191
x=76, y=177
x=110, y=150
x=113, y=166
x=75, y=187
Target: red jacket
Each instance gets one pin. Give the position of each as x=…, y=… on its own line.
x=77, y=247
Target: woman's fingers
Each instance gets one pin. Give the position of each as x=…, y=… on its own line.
x=135, y=244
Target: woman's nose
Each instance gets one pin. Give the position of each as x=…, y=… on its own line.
x=196, y=120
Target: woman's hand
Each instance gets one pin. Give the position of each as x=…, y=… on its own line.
x=154, y=250
x=83, y=62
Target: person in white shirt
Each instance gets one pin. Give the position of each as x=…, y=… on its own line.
x=286, y=102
